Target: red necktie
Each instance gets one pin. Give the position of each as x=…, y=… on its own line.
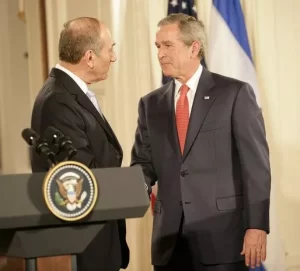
x=182, y=116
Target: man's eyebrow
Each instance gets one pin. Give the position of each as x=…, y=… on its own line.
x=164, y=42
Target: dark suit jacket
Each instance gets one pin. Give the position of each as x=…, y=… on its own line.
x=222, y=181
x=62, y=104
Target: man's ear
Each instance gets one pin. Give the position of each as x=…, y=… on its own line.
x=196, y=47
x=89, y=58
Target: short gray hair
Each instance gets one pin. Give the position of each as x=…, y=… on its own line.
x=190, y=28
x=78, y=36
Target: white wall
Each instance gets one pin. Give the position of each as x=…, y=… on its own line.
x=14, y=89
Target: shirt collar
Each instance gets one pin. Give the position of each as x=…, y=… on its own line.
x=192, y=83
x=83, y=86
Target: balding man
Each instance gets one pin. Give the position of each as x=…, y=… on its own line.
x=66, y=102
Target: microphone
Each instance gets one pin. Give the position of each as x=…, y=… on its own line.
x=62, y=142
x=40, y=146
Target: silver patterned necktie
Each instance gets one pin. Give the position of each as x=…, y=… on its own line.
x=93, y=99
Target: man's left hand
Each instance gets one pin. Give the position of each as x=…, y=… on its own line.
x=255, y=247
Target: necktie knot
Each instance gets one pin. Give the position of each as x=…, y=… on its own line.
x=184, y=90
x=90, y=94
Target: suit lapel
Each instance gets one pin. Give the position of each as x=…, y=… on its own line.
x=166, y=117
x=84, y=101
x=114, y=136
x=203, y=101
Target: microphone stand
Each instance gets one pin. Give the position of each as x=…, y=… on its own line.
x=41, y=147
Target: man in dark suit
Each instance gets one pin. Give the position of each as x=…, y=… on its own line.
x=66, y=103
x=202, y=138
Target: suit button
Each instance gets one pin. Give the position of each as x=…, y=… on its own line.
x=118, y=156
x=184, y=173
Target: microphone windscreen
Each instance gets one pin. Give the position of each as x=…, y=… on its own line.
x=29, y=136
x=51, y=132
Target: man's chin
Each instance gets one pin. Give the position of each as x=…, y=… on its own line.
x=101, y=77
x=167, y=73
x=104, y=76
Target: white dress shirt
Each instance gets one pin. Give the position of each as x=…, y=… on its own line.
x=192, y=83
x=83, y=86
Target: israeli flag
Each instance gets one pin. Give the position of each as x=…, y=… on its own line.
x=229, y=54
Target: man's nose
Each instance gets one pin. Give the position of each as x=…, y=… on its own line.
x=160, y=54
x=113, y=58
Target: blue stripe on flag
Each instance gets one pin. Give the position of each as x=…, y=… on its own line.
x=234, y=18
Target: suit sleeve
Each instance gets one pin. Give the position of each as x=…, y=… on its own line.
x=141, y=151
x=253, y=151
x=60, y=113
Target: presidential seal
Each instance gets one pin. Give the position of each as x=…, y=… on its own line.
x=70, y=191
